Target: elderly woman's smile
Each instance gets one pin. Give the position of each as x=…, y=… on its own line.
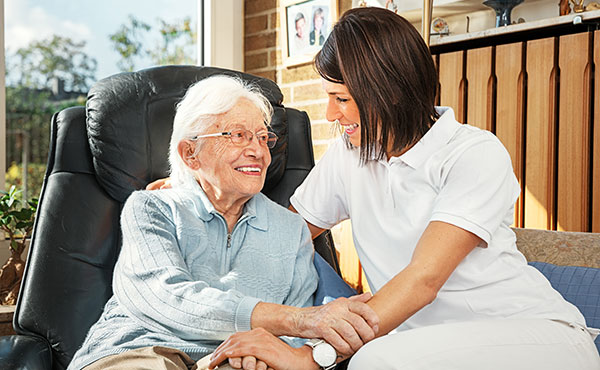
x=250, y=170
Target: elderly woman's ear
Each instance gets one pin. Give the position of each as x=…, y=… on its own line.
x=186, y=149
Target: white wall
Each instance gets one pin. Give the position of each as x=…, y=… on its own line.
x=224, y=34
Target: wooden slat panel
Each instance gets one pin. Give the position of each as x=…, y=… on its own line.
x=479, y=76
x=596, y=157
x=510, y=101
x=574, y=133
x=452, y=82
x=436, y=62
x=540, y=137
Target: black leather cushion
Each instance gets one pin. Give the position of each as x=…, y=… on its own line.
x=130, y=116
x=74, y=246
x=26, y=353
x=297, y=165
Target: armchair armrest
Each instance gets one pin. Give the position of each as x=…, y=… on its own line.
x=25, y=352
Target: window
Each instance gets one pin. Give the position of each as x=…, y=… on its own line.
x=55, y=51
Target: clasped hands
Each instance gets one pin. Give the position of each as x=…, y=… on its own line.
x=346, y=323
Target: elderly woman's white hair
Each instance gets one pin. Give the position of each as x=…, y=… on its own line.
x=199, y=109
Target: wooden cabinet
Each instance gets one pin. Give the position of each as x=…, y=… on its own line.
x=540, y=94
x=596, y=139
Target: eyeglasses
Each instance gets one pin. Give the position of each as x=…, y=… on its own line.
x=241, y=137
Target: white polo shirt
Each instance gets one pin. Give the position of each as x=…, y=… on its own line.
x=457, y=174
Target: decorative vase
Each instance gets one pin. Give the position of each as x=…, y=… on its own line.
x=503, y=8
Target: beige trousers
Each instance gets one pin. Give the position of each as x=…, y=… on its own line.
x=152, y=358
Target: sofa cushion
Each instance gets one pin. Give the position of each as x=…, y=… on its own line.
x=331, y=285
x=578, y=285
x=559, y=247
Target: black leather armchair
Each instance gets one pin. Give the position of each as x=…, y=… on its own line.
x=98, y=156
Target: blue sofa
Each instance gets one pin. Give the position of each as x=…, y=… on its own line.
x=571, y=261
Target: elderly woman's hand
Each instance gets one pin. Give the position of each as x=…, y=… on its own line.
x=258, y=347
x=346, y=323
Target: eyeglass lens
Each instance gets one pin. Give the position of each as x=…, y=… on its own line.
x=242, y=137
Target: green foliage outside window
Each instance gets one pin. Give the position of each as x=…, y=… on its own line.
x=32, y=74
x=176, y=46
x=35, y=177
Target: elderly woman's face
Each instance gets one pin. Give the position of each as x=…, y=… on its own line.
x=229, y=170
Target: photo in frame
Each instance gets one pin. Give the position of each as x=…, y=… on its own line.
x=305, y=25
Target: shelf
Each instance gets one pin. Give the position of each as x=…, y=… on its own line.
x=576, y=19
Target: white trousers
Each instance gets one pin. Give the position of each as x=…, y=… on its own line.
x=483, y=345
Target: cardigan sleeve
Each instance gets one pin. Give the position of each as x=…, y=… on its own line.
x=152, y=282
x=305, y=278
x=304, y=281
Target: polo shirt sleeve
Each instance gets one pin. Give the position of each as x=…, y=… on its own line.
x=478, y=189
x=321, y=198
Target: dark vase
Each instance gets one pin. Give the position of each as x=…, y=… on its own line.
x=503, y=9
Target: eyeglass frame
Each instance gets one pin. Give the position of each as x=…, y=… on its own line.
x=228, y=134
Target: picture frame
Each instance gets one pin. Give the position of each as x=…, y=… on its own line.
x=305, y=25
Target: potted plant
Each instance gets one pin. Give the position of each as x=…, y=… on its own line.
x=16, y=221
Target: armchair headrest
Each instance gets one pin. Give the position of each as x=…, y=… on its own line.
x=130, y=118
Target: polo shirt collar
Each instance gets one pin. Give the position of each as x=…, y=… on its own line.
x=438, y=135
x=255, y=209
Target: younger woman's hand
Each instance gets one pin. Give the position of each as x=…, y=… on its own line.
x=248, y=363
x=159, y=184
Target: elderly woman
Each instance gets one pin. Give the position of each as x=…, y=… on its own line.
x=212, y=256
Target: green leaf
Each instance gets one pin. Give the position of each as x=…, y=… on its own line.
x=21, y=225
x=17, y=216
x=33, y=203
x=24, y=214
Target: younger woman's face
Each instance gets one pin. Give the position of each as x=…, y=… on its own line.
x=341, y=106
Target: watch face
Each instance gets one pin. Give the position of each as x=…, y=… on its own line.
x=324, y=354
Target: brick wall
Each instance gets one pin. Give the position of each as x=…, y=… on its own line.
x=301, y=88
x=301, y=85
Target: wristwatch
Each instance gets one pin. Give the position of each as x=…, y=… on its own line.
x=323, y=353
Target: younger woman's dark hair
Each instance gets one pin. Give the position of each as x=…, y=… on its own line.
x=389, y=72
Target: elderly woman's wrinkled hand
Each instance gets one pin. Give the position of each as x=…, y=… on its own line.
x=257, y=347
x=346, y=323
